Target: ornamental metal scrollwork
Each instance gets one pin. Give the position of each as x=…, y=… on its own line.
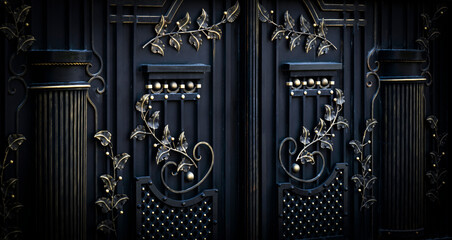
x=364, y=181
x=288, y=31
x=430, y=33
x=323, y=135
x=183, y=26
x=167, y=144
x=437, y=175
x=111, y=205
x=9, y=206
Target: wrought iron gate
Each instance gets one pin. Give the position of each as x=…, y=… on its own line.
x=150, y=119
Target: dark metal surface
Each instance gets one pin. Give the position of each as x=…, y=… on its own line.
x=243, y=94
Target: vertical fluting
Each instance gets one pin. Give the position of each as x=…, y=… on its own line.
x=61, y=163
x=403, y=156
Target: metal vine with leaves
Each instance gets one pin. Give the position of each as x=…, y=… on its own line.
x=436, y=175
x=430, y=33
x=365, y=180
x=183, y=26
x=9, y=206
x=167, y=144
x=289, y=31
x=16, y=30
x=323, y=135
x=112, y=204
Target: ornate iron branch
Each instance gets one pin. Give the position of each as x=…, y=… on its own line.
x=430, y=33
x=167, y=144
x=16, y=30
x=9, y=206
x=112, y=204
x=364, y=181
x=183, y=26
x=323, y=135
x=436, y=175
x=288, y=31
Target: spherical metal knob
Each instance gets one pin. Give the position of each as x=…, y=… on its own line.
x=296, y=167
x=311, y=82
x=190, y=85
x=157, y=86
x=190, y=176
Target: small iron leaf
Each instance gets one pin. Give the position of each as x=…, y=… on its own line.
x=289, y=22
x=357, y=146
x=214, y=33
x=21, y=13
x=15, y=140
x=310, y=42
x=195, y=40
x=320, y=129
x=329, y=113
x=120, y=160
x=139, y=133
x=119, y=200
x=305, y=26
x=340, y=98
x=109, y=182
x=264, y=16
x=184, y=23
x=158, y=47
x=153, y=121
x=9, y=30
x=104, y=136
x=162, y=154
x=278, y=33
x=370, y=124
x=359, y=180
x=304, y=138
x=324, y=48
x=322, y=30
x=105, y=204
x=341, y=122
x=160, y=28
x=166, y=139
x=106, y=226
x=295, y=40
x=233, y=12
x=175, y=41
x=203, y=19
x=326, y=143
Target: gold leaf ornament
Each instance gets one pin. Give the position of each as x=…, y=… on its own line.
x=233, y=12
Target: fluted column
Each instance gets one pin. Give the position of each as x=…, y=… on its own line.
x=403, y=144
x=59, y=87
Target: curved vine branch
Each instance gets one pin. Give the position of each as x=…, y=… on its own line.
x=183, y=26
x=167, y=144
x=323, y=135
x=288, y=31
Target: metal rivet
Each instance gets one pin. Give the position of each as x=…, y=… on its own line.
x=157, y=85
x=165, y=86
x=319, y=92
x=148, y=86
x=304, y=83
x=173, y=85
x=166, y=96
x=331, y=83
x=289, y=84
x=292, y=93
x=190, y=85
x=311, y=82
x=305, y=92
x=295, y=167
x=331, y=92
x=182, y=96
x=324, y=81
x=190, y=176
x=182, y=85
x=198, y=85
x=297, y=82
x=198, y=96
x=317, y=82
x=152, y=97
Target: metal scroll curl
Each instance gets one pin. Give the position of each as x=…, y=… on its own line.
x=322, y=134
x=167, y=144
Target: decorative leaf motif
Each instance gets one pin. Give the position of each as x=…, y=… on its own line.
x=341, y=122
x=104, y=137
x=423, y=42
x=195, y=40
x=233, y=12
x=304, y=138
x=120, y=160
x=324, y=48
x=322, y=30
x=10, y=30
x=214, y=33
x=21, y=13
x=160, y=28
x=184, y=23
x=370, y=180
x=289, y=22
x=326, y=143
x=139, y=133
x=329, y=113
x=15, y=140
x=105, y=204
x=310, y=42
x=295, y=40
x=320, y=129
x=264, y=16
x=433, y=34
x=142, y=105
x=442, y=139
x=278, y=33
x=184, y=165
x=183, y=144
x=305, y=26
x=157, y=46
x=162, y=154
x=106, y=226
x=153, y=121
x=203, y=19
x=368, y=202
x=25, y=42
x=340, y=98
x=166, y=139
x=433, y=120
x=359, y=180
x=175, y=41
x=109, y=182
x=357, y=146
x=370, y=124
x=119, y=200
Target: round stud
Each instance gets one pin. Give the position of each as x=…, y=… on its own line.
x=198, y=96
x=331, y=92
x=190, y=85
x=319, y=92
x=152, y=98
x=311, y=82
x=292, y=93
x=182, y=96
x=120, y=178
x=190, y=176
x=305, y=92
x=325, y=81
x=107, y=191
x=297, y=82
x=157, y=86
x=198, y=85
x=287, y=37
x=317, y=82
x=107, y=153
x=173, y=85
x=271, y=11
x=155, y=144
x=166, y=96
x=11, y=161
x=295, y=167
x=332, y=83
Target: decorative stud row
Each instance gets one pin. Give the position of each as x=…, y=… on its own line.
x=174, y=90
x=311, y=86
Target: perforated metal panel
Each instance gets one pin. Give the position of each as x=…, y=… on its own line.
x=317, y=212
x=159, y=217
